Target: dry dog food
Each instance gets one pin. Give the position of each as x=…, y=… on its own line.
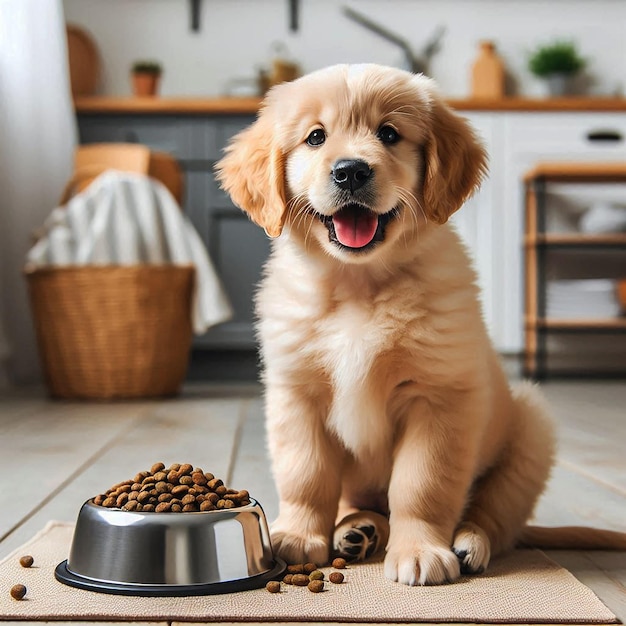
x=26, y=560
x=178, y=488
x=339, y=563
x=300, y=580
x=18, y=592
x=307, y=575
x=273, y=586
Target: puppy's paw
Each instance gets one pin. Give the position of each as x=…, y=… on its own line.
x=360, y=535
x=294, y=548
x=472, y=547
x=428, y=565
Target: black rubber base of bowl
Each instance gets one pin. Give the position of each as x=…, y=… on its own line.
x=62, y=574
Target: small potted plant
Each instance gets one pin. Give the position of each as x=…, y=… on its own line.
x=145, y=77
x=557, y=63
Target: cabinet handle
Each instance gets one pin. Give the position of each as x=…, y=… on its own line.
x=605, y=135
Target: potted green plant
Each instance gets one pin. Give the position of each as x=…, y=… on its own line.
x=145, y=77
x=557, y=63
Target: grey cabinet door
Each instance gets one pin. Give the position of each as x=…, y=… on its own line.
x=181, y=137
x=237, y=247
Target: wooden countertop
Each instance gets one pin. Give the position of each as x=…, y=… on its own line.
x=568, y=104
x=227, y=105
x=582, y=172
x=166, y=105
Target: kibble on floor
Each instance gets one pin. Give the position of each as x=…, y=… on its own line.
x=18, y=592
x=26, y=560
x=273, y=586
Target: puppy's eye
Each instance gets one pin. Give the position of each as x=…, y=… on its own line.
x=388, y=135
x=316, y=138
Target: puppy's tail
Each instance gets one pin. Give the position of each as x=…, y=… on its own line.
x=571, y=538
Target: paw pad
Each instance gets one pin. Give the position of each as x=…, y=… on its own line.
x=358, y=543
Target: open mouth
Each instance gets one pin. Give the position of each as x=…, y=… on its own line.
x=355, y=227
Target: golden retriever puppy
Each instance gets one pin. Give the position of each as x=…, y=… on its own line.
x=390, y=422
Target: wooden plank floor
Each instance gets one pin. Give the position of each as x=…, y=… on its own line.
x=56, y=455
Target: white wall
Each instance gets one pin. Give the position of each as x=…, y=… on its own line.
x=237, y=35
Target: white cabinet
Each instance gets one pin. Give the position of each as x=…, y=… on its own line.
x=530, y=138
x=478, y=222
x=491, y=223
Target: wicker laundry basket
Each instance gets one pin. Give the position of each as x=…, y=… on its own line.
x=113, y=332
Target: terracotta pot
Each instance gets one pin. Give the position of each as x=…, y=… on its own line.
x=145, y=83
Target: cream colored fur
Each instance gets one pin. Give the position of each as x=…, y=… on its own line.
x=383, y=391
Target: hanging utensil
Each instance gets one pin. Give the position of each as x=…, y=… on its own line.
x=417, y=63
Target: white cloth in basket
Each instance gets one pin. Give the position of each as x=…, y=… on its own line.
x=130, y=219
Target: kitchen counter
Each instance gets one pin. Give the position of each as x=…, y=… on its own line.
x=166, y=105
x=566, y=104
x=229, y=105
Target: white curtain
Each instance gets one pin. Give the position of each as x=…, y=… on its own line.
x=37, y=138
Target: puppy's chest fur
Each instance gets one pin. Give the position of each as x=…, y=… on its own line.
x=354, y=335
x=358, y=338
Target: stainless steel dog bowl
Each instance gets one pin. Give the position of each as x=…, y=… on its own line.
x=170, y=554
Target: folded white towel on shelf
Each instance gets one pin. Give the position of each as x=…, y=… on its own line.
x=130, y=219
x=602, y=218
x=594, y=298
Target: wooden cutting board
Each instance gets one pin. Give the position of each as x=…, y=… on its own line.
x=84, y=61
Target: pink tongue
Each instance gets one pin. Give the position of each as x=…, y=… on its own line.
x=355, y=228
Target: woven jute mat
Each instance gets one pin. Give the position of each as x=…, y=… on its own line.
x=523, y=587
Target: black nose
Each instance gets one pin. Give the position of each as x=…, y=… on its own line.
x=351, y=173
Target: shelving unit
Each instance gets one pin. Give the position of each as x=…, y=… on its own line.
x=539, y=243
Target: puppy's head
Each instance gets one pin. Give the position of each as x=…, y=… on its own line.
x=352, y=157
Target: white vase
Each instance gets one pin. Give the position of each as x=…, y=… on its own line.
x=558, y=84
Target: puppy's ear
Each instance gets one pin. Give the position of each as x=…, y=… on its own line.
x=252, y=172
x=455, y=163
